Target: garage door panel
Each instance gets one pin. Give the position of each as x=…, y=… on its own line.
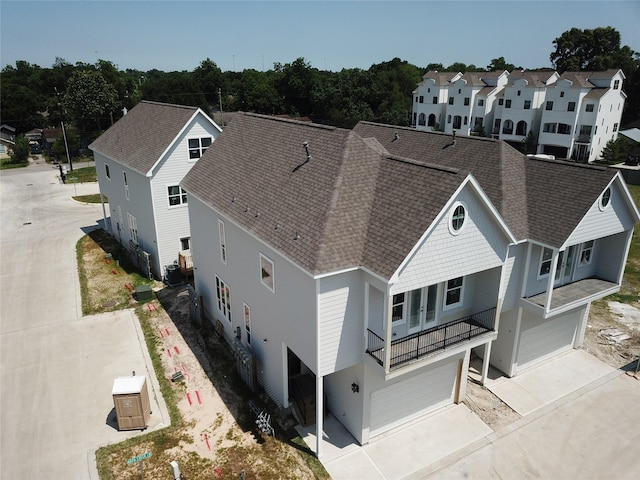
x=543, y=339
x=413, y=397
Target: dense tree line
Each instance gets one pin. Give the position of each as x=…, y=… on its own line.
x=92, y=96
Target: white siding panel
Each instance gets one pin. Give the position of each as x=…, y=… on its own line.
x=596, y=223
x=541, y=339
x=172, y=223
x=513, y=272
x=479, y=246
x=413, y=397
x=341, y=311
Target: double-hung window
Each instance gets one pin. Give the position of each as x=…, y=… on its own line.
x=453, y=292
x=197, y=146
x=107, y=171
x=177, y=195
x=126, y=184
x=247, y=322
x=266, y=272
x=397, y=307
x=545, y=262
x=586, y=252
x=223, y=242
x=223, y=295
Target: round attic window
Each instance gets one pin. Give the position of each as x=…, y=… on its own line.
x=605, y=199
x=456, y=221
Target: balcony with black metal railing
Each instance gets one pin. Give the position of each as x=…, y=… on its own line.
x=431, y=341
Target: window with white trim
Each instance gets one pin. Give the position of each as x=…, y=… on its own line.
x=223, y=295
x=605, y=199
x=185, y=243
x=107, y=171
x=267, y=272
x=247, y=322
x=456, y=220
x=176, y=195
x=133, y=227
x=586, y=252
x=588, y=107
x=397, y=308
x=545, y=262
x=223, y=242
x=126, y=184
x=197, y=146
x=453, y=292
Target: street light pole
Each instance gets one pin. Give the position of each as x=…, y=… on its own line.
x=64, y=132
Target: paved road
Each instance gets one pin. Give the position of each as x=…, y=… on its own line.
x=57, y=367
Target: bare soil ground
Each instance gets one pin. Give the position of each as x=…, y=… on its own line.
x=612, y=335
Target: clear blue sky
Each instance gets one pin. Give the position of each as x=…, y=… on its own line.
x=178, y=35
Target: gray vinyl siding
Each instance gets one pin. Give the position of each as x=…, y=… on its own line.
x=286, y=318
x=513, y=272
x=346, y=407
x=615, y=218
x=503, y=347
x=341, y=313
x=137, y=205
x=172, y=223
x=611, y=256
x=480, y=245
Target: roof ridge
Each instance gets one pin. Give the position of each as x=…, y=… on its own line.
x=172, y=105
x=291, y=120
x=431, y=166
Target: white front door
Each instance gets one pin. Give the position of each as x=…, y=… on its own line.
x=422, y=308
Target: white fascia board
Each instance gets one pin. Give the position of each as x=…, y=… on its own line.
x=111, y=159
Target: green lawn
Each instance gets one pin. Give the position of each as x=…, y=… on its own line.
x=631, y=283
x=82, y=175
x=6, y=163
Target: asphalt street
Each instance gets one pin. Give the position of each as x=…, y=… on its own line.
x=56, y=366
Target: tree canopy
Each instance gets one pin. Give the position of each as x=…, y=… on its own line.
x=93, y=96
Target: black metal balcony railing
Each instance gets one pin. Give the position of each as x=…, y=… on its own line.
x=426, y=342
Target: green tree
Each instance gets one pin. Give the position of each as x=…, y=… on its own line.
x=500, y=64
x=208, y=78
x=89, y=98
x=295, y=83
x=592, y=50
x=391, y=96
x=21, y=150
x=529, y=144
x=73, y=142
x=616, y=151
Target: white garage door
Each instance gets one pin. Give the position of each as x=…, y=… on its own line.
x=410, y=398
x=541, y=339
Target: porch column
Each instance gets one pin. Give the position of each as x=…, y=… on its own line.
x=485, y=362
x=388, y=332
x=104, y=214
x=551, y=280
x=319, y=416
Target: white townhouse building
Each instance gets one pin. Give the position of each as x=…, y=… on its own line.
x=582, y=112
x=140, y=161
x=571, y=116
x=359, y=269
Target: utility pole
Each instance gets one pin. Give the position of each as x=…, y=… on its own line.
x=64, y=132
x=221, y=114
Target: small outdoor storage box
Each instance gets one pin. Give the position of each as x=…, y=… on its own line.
x=131, y=400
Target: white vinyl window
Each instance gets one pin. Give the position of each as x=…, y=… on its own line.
x=267, y=272
x=457, y=218
x=247, y=322
x=223, y=242
x=453, y=292
x=223, y=295
x=107, y=171
x=197, y=146
x=133, y=227
x=126, y=184
x=545, y=262
x=176, y=195
x=397, y=308
x=586, y=253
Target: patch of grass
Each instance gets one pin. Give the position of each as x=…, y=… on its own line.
x=82, y=175
x=94, y=198
x=7, y=163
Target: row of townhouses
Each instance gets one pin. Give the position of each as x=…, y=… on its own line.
x=571, y=116
x=361, y=269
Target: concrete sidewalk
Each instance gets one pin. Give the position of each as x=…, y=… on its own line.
x=440, y=444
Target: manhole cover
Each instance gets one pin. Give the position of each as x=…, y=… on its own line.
x=109, y=304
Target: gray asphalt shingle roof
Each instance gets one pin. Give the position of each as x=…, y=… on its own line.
x=138, y=139
x=366, y=196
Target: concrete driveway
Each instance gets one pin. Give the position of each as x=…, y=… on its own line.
x=56, y=367
x=580, y=419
